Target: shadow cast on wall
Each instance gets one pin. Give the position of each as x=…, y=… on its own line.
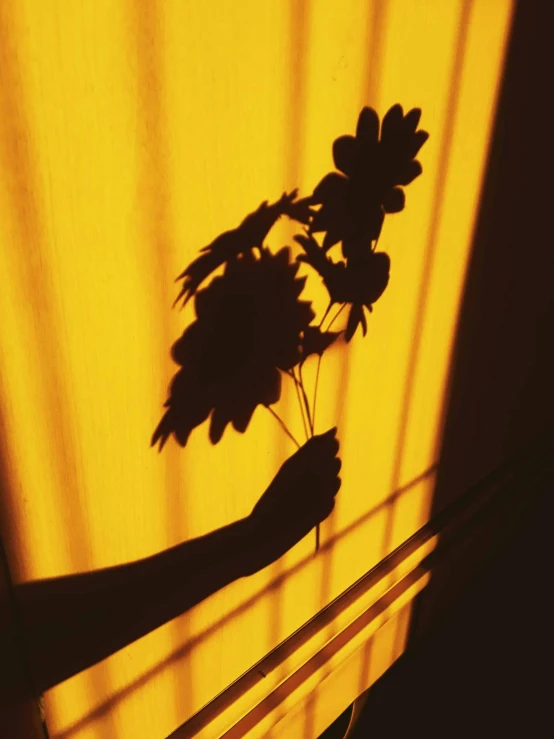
x=73, y=622
x=190, y=644
x=251, y=329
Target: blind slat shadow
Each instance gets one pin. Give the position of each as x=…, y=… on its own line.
x=452, y=105
x=144, y=41
x=375, y=28
x=20, y=159
x=299, y=16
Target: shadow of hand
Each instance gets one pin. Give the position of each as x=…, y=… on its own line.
x=301, y=495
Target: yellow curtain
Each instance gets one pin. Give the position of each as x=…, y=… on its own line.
x=131, y=134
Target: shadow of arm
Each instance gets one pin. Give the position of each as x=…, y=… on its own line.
x=73, y=622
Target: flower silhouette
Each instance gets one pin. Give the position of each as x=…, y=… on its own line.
x=251, y=326
x=248, y=327
x=372, y=169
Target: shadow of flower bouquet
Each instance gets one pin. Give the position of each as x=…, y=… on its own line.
x=252, y=327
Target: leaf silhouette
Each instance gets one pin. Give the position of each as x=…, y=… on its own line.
x=355, y=318
x=249, y=235
x=315, y=341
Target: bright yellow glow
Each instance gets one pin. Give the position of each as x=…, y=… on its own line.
x=131, y=134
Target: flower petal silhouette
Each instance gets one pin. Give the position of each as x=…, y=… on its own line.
x=412, y=118
x=418, y=139
x=394, y=200
x=412, y=170
x=372, y=167
x=249, y=325
x=392, y=126
x=345, y=152
x=367, y=130
x=367, y=279
x=333, y=187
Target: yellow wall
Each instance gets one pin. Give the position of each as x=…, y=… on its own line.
x=131, y=134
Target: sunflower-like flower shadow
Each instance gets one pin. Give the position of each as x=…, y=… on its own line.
x=248, y=329
x=373, y=165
